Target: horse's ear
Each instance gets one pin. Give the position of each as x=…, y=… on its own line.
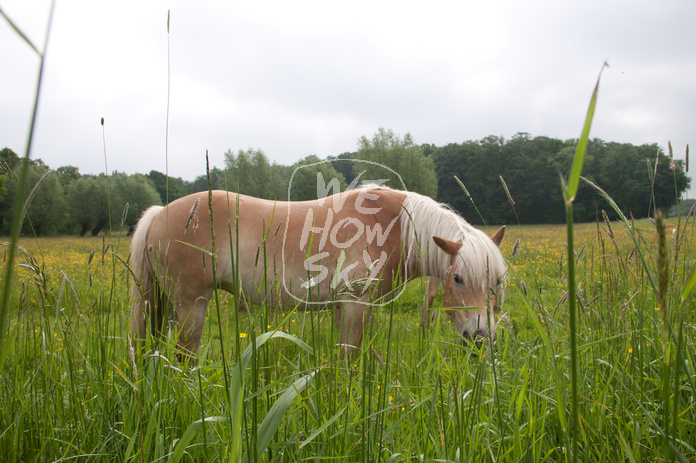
x=498, y=236
x=450, y=247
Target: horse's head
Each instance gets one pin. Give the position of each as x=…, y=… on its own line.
x=474, y=286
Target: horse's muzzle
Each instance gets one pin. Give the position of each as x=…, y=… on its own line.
x=477, y=339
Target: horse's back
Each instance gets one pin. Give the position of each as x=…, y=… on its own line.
x=277, y=240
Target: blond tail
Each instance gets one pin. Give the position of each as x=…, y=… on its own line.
x=142, y=289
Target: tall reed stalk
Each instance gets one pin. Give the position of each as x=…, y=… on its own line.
x=18, y=209
x=570, y=190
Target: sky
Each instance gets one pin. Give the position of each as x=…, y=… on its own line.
x=300, y=78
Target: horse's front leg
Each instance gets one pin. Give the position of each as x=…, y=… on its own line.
x=433, y=285
x=353, y=316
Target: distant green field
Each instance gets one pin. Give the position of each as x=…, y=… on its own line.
x=70, y=390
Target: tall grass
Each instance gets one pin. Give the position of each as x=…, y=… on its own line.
x=69, y=388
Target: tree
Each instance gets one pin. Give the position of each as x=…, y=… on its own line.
x=3, y=189
x=402, y=156
x=79, y=217
x=87, y=204
x=67, y=175
x=250, y=172
x=532, y=169
x=217, y=181
x=460, y=160
x=132, y=194
x=640, y=178
x=343, y=163
x=534, y=182
x=168, y=188
x=45, y=212
x=238, y=171
x=307, y=172
x=8, y=159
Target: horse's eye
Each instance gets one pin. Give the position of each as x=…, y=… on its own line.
x=458, y=279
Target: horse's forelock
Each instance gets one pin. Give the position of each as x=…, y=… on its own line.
x=480, y=260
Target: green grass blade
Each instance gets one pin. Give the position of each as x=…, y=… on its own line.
x=571, y=190
x=576, y=170
x=323, y=427
x=689, y=286
x=190, y=432
x=265, y=337
x=30, y=197
x=627, y=449
x=272, y=421
x=236, y=392
x=19, y=32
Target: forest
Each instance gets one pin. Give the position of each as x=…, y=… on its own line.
x=505, y=181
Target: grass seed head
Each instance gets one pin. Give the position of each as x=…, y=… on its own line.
x=662, y=264
x=516, y=247
x=507, y=191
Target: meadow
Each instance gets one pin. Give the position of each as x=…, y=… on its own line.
x=269, y=385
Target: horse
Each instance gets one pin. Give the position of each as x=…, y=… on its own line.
x=351, y=250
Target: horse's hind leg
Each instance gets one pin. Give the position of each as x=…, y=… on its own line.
x=353, y=316
x=190, y=318
x=149, y=311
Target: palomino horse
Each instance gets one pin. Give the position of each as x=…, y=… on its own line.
x=353, y=248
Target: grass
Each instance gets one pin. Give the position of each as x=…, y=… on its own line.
x=69, y=389
x=570, y=189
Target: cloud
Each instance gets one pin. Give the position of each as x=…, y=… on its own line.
x=295, y=79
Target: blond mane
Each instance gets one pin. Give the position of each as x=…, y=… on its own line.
x=422, y=218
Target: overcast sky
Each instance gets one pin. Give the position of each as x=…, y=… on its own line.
x=300, y=78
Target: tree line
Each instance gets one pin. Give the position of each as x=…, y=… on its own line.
x=502, y=181
x=64, y=201
x=519, y=180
